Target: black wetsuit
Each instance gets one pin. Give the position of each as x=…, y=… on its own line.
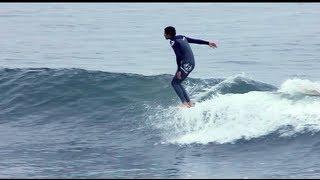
x=185, y=62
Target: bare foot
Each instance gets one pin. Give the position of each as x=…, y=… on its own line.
x=191, y=104
x=185, y=104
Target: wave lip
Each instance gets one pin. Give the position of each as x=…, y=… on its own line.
x=238, y=84
x=62, y=86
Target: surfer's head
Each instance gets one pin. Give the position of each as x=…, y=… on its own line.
x=169, y=32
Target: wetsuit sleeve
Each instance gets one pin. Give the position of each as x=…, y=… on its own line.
x=197, y=41
x=178, y=63
x=177, y=51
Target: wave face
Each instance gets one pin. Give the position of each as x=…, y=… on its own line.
x=226, y=111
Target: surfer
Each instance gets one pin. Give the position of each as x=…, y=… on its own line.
x=185, y=60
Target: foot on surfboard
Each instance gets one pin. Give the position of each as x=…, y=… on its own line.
x=191, y=104
x=187, y=105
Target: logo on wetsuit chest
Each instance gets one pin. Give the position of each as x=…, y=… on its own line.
x=187, y=67
x=171, y=43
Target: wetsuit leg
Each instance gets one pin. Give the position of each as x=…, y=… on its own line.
x=185, y=94
x=176, y=84
x=180, y=90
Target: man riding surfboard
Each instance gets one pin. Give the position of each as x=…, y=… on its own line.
x=184, y=59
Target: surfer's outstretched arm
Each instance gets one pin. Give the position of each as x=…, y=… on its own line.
x=199, y=41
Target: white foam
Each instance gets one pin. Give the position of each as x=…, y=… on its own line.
x=300, y=86
x=229, y=117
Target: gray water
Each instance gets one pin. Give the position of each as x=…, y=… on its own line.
x=267, y=42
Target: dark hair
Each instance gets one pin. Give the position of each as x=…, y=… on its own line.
x=170, y=31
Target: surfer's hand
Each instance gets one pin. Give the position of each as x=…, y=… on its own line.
x=178, y=74
x=212, y=44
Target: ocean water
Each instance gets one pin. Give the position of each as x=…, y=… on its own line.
x=85, y=91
